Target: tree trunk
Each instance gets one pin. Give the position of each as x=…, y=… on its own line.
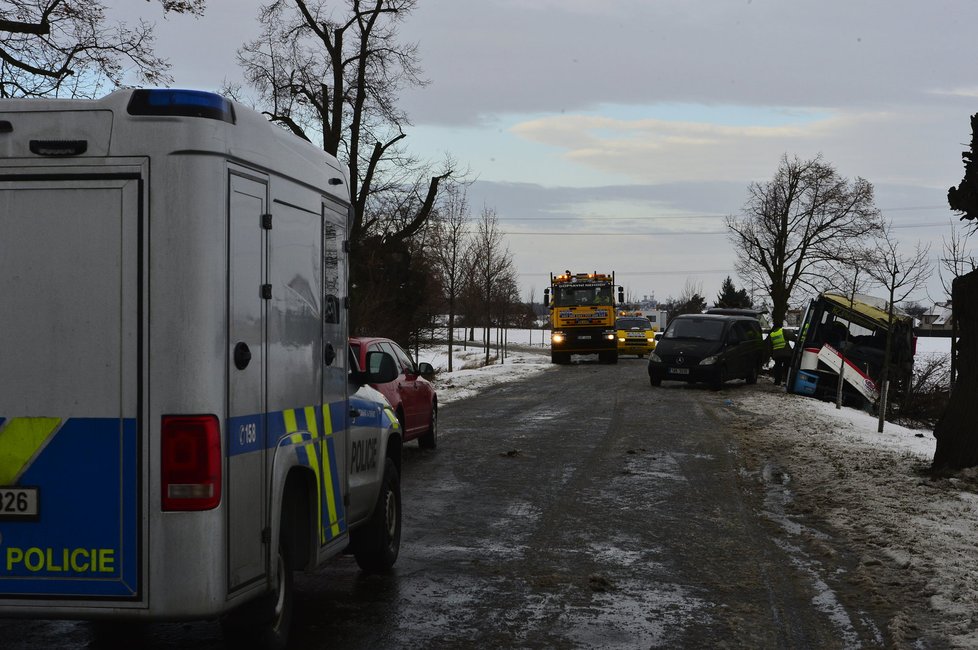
x=451, y=332
x=957, y=430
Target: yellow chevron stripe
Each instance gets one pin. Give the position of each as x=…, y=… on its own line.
x=290, y=425
x=311, y=450
x=327, y=421
x=328, y=473
x=330, y=495
x=20, y=441
x=311, y=420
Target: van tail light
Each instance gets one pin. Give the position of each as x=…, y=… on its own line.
x=191, y=462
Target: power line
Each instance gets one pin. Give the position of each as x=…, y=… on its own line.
x=679, y=215
x=617, y=234
x=649, y=273
x=668, y=233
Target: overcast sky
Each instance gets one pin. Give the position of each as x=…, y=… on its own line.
x=614, y=135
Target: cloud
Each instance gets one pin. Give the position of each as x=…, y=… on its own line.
x=660, y=151
x=883, y=146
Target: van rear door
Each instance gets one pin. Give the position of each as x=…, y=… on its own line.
x=70, y=373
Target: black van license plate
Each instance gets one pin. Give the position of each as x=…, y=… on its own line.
x=19, y=503
x=679, y=371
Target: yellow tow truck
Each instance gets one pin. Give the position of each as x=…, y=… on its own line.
x=582, y=315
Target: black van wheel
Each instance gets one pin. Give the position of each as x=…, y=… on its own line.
x=719, y=379
x=751, y=377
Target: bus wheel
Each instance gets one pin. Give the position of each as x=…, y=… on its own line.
x=377, y=543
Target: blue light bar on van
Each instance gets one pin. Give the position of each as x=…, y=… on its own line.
x=186, y=103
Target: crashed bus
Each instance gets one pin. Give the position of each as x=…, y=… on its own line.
x=846, y=337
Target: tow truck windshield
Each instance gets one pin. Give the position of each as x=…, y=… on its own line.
x=576, y=296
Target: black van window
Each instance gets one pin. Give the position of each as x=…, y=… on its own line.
x=736, y=334
x=695, y=328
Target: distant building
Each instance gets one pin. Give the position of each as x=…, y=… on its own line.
x=937, y=318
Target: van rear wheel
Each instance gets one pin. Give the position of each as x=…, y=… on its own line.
x=264, y=623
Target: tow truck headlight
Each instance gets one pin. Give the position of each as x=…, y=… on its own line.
x=557, y=337
x=621, y=339
x=610, y=336
x=709, y=361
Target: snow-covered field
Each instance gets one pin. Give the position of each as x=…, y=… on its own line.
x=918, y=535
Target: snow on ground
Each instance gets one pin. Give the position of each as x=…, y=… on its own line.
x=917, y=534
x=469, y=374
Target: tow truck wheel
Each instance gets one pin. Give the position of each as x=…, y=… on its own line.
x=377, y=543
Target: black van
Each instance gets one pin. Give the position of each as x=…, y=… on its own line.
x=709, y=348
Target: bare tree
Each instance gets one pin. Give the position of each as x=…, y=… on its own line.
x=449, y=249
x=333, y=71
x=795, y=224
x=690, y=301
x=491, y=265
x=319, y=71
x=957, y=260
x=69, y=48
x=901, y=275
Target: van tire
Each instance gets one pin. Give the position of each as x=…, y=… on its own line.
x=751, y=377
x=429, y=440
x=264, y=623
x=719, y=379
x=377, y=543
x=654, y=381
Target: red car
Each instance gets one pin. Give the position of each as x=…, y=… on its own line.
x=411, y=395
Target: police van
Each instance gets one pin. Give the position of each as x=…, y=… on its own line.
x=181, y=424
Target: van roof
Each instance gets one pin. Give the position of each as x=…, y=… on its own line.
x=717, y=317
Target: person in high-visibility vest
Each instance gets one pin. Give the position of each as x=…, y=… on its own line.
x=780, y=352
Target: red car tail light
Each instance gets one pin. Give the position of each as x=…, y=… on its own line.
x=190, y=463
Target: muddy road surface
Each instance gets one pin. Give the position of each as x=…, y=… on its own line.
x=578, y=509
